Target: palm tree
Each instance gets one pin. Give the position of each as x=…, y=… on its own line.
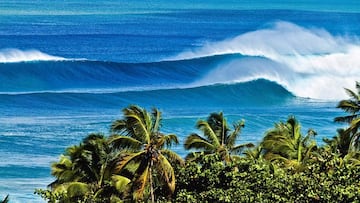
x=254, y=154
x=286, y=144
x=217, y=138
x=351, y=106
x=86, y=171
x=147, y=155
x=339, y=144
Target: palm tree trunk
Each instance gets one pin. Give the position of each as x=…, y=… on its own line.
x=151, y=183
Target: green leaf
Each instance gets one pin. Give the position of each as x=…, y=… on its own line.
x=120, y=182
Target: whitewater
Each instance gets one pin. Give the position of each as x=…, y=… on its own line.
x=309, y=62
x=67, y=70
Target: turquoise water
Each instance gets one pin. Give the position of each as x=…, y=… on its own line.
x=68, y=68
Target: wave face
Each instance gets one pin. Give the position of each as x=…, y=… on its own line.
x=309, y=62
x=248, y=94
x=100, y=76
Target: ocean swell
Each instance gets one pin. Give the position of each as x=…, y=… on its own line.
x=100, y=76
x=309, y=62
x=240, y=95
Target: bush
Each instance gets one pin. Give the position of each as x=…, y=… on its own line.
x=211, y=180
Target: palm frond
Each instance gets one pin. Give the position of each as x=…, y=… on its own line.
x=349, y=106
x=126, y=159
x=218, y=125
x=156, y=119
x=194, y=141
x=311, y=133
x=274, y=157
x=345, y=119
x=138, y=123
x=166, y=171
x=239, y=148
x=125, y=142
x=310, y=150
x=205, y=127
x=73, y=189
x=172, y=156
x=118, y=126
x=352, y=94
x=63, y=171
x=93, y=137
x=276, y=142
x=76, y=189
x=254, y=154
x=120, y=182
x=167, y=140
x=195, y=156
x=139, y=184
x=231, y=139
x=294, y=127
x=355, y=124
x=286, y=144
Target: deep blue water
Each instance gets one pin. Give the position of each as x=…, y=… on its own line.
x=68, y=68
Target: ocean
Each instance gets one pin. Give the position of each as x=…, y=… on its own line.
x=68, y=68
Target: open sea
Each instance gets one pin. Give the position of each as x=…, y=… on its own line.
x=67, y=68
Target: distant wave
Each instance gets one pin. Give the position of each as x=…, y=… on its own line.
x=309, y=62
x=100, y=76
x=16, y=55
x=258, y=93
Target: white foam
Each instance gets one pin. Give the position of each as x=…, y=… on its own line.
x=16, y=55
x=309, y=62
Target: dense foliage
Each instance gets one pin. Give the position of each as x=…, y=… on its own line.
x=246, y=180
x=135, y=163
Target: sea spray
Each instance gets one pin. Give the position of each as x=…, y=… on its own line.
x=309, y=62
x=16, y=55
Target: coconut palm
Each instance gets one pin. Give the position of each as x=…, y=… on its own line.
x=285, y=144
x=351, y=106
x=339, y=144
x=217, y=138
x=86, y=171
x=146, y=155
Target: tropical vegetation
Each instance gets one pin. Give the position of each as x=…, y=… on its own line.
x=286, y=144
x=86, y=172
x=218, y=138
x=145, y=151
x=135, y=163
x=352, y=107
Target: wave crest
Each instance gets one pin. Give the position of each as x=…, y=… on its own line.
x=309, y=62
x=16, y=55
